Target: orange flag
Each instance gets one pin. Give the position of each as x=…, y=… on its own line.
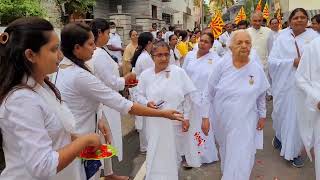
x=266, y=11
x=217, y=24
x=240, y=16
x=259, y=6
x=279, y=18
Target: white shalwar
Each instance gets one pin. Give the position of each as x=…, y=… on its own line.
x=83, y=93
x=107, y=70
x=173, y=86
x=199, y=70
x=237, y=101
x=282, y=73
x=144, y=62
x=308, y=82
x=33, y=131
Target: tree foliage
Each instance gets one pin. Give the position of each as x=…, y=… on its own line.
x=77, y=6
x=13, y=9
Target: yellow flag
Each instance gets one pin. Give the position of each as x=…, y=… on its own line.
x=266, y=11
x=240, y=16
x=217, y=24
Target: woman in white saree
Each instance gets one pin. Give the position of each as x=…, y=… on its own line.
x=169, y=85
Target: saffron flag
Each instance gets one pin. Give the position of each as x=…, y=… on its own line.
x=217, y=24
x=259, y=7
x=266, y=11
x=240, y=16
x=279, y=18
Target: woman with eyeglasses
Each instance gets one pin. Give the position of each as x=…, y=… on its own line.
x=166, y=86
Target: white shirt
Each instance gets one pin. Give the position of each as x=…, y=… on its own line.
x=154, y=34
x=115, y=40
x=107, y=70
x=260, y=42
x=32, y=134
x=144, y=62
x=83, y=93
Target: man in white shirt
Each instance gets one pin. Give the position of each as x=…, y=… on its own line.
x=169, y=33
x=316, y=23
x=224, y=38
x=274, y=26
x=115, y=43
x=154, y=30
x=259, y=37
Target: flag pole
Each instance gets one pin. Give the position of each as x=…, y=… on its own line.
x=201, y=14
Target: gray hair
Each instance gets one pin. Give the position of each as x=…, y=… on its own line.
x=257, y=14
x=236, y=33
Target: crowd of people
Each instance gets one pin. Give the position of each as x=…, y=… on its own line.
x=197, y=99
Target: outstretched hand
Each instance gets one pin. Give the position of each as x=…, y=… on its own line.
x=172, y=114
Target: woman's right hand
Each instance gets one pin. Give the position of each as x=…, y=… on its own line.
x=172, y=114
x=129, y=77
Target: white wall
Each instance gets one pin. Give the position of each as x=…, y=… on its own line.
x=306, y=4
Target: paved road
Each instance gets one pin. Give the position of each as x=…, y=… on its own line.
x=269, y=165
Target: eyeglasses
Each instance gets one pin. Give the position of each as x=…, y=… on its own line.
x=166, y=55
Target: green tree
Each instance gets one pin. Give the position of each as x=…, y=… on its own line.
x=13, y=9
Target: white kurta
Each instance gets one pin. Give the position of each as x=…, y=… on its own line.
x=107, y=71
x=83, y=93
x=171, y=85
x=199, y=70
x=235, y=128
x=32, y=134
x=260, y=43
x=282, y=73
x=308, y=82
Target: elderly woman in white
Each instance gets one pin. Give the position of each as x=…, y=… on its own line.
x=236, y=91
x=171, y=85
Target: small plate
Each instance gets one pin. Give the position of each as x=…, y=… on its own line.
x=105, y=151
